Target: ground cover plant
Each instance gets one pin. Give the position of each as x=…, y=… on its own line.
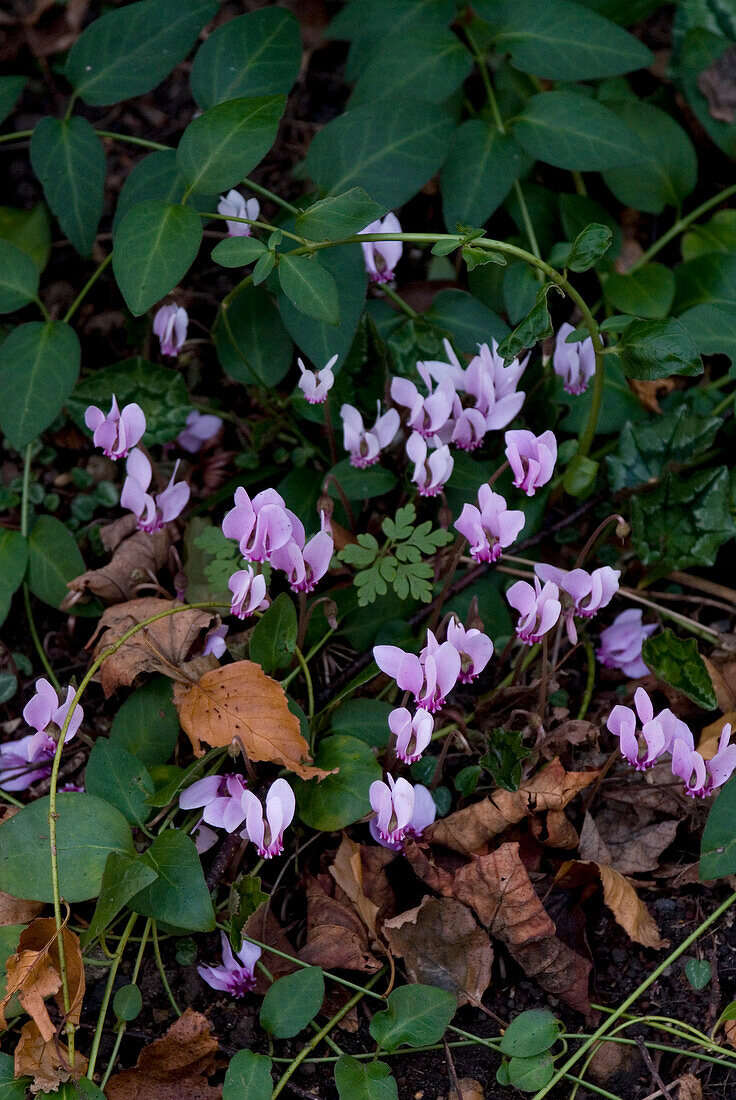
x=366, y=530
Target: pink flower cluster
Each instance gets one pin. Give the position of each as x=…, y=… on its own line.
x=154, y=511
x=665, y=733
x=572, y=594
x=29, y=758
x=400, y=811
x=226, y=803
x=622, y=641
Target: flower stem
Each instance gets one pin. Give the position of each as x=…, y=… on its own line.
x=682, y=224
x=26, y=590
x=86, y=288
x=117, y=959
x=161, y=971
x=399, y=301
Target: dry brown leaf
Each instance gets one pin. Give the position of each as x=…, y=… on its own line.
x=725, y=695
x=648, y=391
x=376, y=887
x=619, y=895
x=34, y=973
x=347, y=871
x=711, y=734
x=264, y=927
x=466, y=1088
x=336, y=936
x=688, y=1087
x=238, y=702
x=442, y=945
x=163, y=646
x=174, y=1067
x=16, y=911
x=136, y=561
x=729, y=1029
x=468, y=831
x=574, y=731
x=556, y=831
x=498, y=888
x=615, y=840
x=46, y=1062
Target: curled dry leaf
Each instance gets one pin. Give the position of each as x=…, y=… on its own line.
x=441, y=944
x=619, y=895
x=16, y=911
x=239, y=703
x=498, y=888
x=174, y=1067
x=711, y=734
x=556, y=831
x=688, y=1087
x=263, y=926
x=34, y=973
x=468, y=831
x=466, y=1088
x=617, y=841
x=46, y=1062
x=336, y=936
x=136, y=561
x=347, y=871
x=163, y=646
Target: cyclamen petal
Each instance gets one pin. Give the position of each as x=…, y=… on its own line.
x=236, y=975
x=236, y=206
x=413, y=734
x=117, y=432
x=621, y=643
x=574, y=362
x=268, y=835
x=490, y=528
x=200, y=429
x=474, y=647
x=259, y=526
x=432, y=469
x=539, y=608
x=170, y=325
x=381, y=257
x=153, y=512
x=532, y=458
x=248, y=592
x=316, y=385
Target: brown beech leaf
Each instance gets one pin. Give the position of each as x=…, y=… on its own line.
x=648, y=391
x=376, y=887
x=688, y=1087
x=16, y=911
x=174, y=1067
x=498, y=888
x=617, y=841
x=34, y=973
x=465, y=1088
x=556, y=831
x=136, y=561
x=46, y=1062
x=468, y=831
x=163, y=646
x=619, y=895
x=347, y=871
x=263, y=926
x=711, y=734
x=441, y=944
x=336, y=936
x=240, y=703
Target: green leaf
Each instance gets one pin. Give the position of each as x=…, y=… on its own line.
x=123, y=877
x=10, y=1087
x=701, y=50
x=358, y=484
x=29, y=230
x=10, y=89
x=366, y=719
x=254, y=54
x=274, y=638
x=39, y=365
x=668, y=170
x=147, y=724
x=251, y=342
x=467, y=321
x=83, y=1089
x=364, y=1080
x=160, y=391
x=699, y=972
x=709, y=279
x=530, y=1033
x=683, y=521
x=711, y=329
x=125, y=53
x=238, y=251
x=577, y=212
x=339, y=216
x=69, y=160
x=179, y=896
x=718, y=847
x=292, y=1002
x=646, y=451
x=245, y=898
x=340, y=799
x=13, y=563
x=647, y=292
x=531, y=1074
x=53, y=559
x=155, y=246
x=318, y=340
x=248, y=1076
x=157, y=177
x=561, y=41
x=589, y=247
x=520, y=290
x=115, y=775
x=572, y=131
x=309, y=287
x=678, y=663
x=87, y=830
x=18, y=277
x=535, y=326
x=716, y=235
x=580, y=476
x=504, y=755
x=416, y=1015
x=390, y=148
x=619, y=403
x=220, y=147
x=127, y=1003
x=480, y=170
x=658, y=349
x=264, y=266
x=431, y=58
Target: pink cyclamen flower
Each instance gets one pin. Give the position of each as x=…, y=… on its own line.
x=153, y=512
x=539, y=608
x=200, y=429
x=493, y=385
x=214, y=643
x=490, y=528
x=25, y=761
x=234, y=205
x=430, y=677
x=261, y=525
x=306, y=565
x=315, y=385
x=249, y=593
x=412, y=734
x=432, y=469
x=475, y=649
x=268, y=835
x=204, y=838
x=427, y=415
x=237, y=974
x=469, y=427
x=582, y=593
x=400, y=811
x=574, y=362
x=622, y=641
x=117, y=432
x=170, y=325
x=701, y=777
x=657, y=735
x=44, y=712
x=365, y=446
x=532, y=458
x=221, y=797
x=381, y=257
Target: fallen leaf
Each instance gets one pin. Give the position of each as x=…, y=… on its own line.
x=498, y=888
x=574, y=731
x=729, y=1029
x=468, y=831
x=163, y=646
x=46, y=1062
x=718, y=84
x=34, y=973
x=336, y=936
x=466, y=1088
x=136, y=561
x=174, y=1067
x=376, y=887
x=16, y=911
x=711, y=734
x=648, y=391
x=347, y=871
x=615, y=840
x=442, y=945
x=619, y=895
x=725, y=695
x=688, y=1087
x=556, y=831
x=238, y=702
x=264, y=927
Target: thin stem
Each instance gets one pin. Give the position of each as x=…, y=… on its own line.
x=122, y=1024
x=19, y=135
x=161, y=971
x=117, y=959
x=26, y=590
x=44, y=312
x=250, y=221
x=130, y=140
x=723, y=405
x=590, y=680
x=308, y=677
x=681, y=224
x=308, y=657
x=266, y=194
x=86, y=288
x=399, y=301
